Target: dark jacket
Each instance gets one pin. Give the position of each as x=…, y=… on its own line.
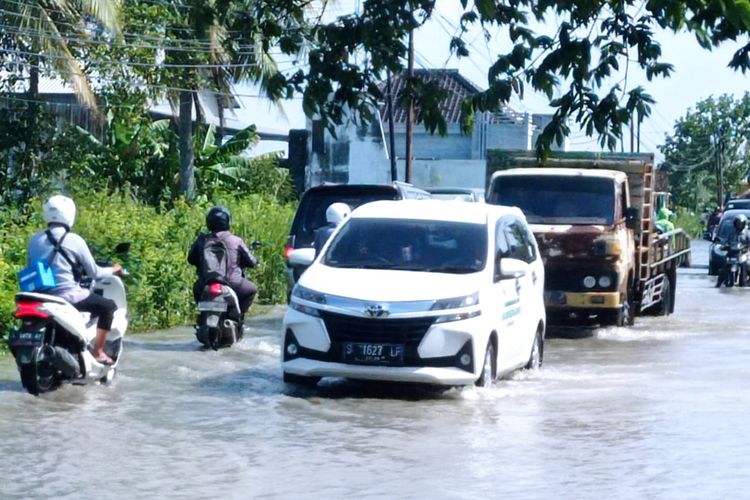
x=321, y=236
x=239, y=256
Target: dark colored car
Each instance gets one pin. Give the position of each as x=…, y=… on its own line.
x=311, y=212
x=716, y=255
x=738, y=204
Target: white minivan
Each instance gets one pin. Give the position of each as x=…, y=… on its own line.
x=418, y=291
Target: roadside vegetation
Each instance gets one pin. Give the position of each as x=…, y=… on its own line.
x=159, y=289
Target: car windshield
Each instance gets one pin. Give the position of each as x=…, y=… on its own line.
x=551, y=199
x=726, y=226
x=413, y=245
x=735, y=204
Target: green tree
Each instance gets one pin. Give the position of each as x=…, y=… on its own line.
x=38, y=34
x=578, y=68
x=707, y=154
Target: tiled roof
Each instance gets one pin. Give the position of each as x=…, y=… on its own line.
x=457, y=87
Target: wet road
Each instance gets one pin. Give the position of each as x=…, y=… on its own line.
x=655, y=411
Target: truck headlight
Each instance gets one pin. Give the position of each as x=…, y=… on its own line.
x=589, y=282
x=605, y=281
x=607, y=247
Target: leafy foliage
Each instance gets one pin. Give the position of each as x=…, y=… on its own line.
x=713, y=135
x=159, y=290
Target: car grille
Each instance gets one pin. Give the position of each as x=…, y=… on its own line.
x=407, y=331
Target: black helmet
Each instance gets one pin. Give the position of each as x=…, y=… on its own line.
x=740, y=222
x=218, y=219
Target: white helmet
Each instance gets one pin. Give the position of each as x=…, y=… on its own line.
x=337, y=213
x=61, y=210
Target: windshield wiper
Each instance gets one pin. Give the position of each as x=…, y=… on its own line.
x=453, y=269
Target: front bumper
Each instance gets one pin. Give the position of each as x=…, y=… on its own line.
x=560, y=300
x=432, y=356
x=425, y=375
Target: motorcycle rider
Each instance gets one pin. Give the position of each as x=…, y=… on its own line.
x=740, y=235
x=239, y=257
x=72, y=260
x=336, y=213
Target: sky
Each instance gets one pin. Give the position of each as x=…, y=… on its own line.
x=698, y=74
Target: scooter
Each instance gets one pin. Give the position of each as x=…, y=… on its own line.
x=219, y=318
x=53, y=342
x=734, y=271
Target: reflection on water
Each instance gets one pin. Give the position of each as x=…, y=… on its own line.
x=654, y=411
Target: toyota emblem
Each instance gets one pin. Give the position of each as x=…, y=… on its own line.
x=376, y=311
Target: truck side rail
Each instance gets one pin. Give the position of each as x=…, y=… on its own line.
x=670, y=246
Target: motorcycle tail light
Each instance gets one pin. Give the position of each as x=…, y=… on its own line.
x=30, y=310
x=215, y=289
x=287, y=251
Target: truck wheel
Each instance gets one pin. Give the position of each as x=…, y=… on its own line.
x=625, y=316
x=666, y=306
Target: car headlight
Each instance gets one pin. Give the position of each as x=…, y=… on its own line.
x=310, y=311
x=589, y=282
x=605, y=281
x=456, y=302
x=303, y=293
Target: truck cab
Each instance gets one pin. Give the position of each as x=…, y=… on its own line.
x=584, y=225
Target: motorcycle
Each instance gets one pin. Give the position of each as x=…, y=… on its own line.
x=53, y=341
x=219, y=317
x=734, y=271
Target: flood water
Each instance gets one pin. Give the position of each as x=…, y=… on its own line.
x=654, y=411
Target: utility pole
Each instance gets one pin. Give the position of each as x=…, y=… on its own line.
x=410, y=114
x=391, y=138
x=638, y=136
x=632, y=136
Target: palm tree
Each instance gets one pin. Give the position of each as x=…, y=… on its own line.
x=41, y=29
x=236, y=52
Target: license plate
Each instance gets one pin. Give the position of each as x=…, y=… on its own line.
x=26, y=339
x=212, y=306
x=366, y=353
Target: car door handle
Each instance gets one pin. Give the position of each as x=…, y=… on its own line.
x=518, y=286
x=533, y=277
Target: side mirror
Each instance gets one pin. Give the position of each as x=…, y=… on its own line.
x=302, y=256
x=632, y=217
x=707, y=236
x=507, y=268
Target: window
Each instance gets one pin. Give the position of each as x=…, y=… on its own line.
x=520, y=241
x=557, y=199
x=413, y=245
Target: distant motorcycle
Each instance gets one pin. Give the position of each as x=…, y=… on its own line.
x=219, y=317
x=734, y=271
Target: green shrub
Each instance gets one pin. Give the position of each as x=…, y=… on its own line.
x=159, y=289
x=689, y=221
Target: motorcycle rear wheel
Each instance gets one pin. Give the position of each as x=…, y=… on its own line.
x=39, y=376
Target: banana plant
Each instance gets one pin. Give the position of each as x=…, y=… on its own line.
x=225, y=163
